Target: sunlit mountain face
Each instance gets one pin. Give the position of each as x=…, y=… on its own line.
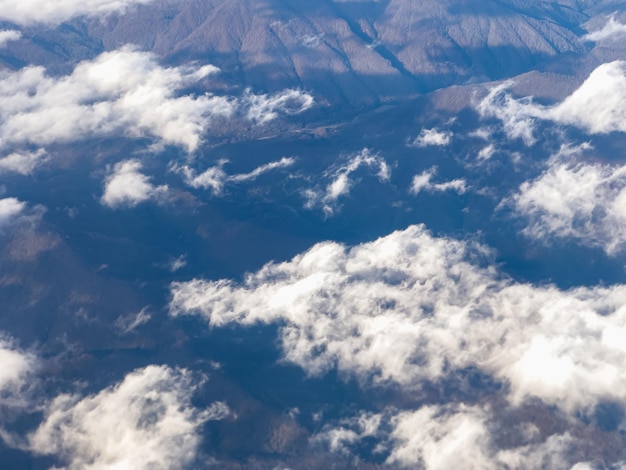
x=294, y=234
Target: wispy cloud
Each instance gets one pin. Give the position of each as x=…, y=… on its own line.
x=423, y=182
x=341, y=180
x=215, y=178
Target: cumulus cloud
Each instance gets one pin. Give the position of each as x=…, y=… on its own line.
x=576, y=200
x=410, y=308
x=145, y=422
x=8, y=35
x=433, y=137
x=611, y=30
x=215, y=178
x=341, y=180
x=28, y=12
x=23, y=162
x=422, y=182
x=123, y=92
x=598, y=106
x=127, y=186
x=10, y=208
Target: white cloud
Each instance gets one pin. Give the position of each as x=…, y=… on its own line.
x=517, y=116
x=10, y=208
x=410, y=308
x=123, y=92
x=611, y=30
x=23, y=162
x=215, y=178
x=145, y=422
x=437, y=437
x=126, y=186
x=598, y=106
x=585, y=202
x=433, y=137
x=128, y=323
x=8, y=35
x=341, y=180
x=265, y=108
x=17, y=365
x=57, y=11
x=422, y=182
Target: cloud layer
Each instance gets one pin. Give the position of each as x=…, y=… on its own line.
x=215, y=178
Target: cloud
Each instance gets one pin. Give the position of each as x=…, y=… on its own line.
x=215, y=178
x=517, y=116
x=123, y=92
x=576, y=200
x=145, y=422
x=341, y=181
x=434, y=137
x=17, y=365
x=437, y=437
x=10, y=208
x=409, y=309
x=265, y=108
x=126, y=186
x=422, y=182
x=28, y=12
x=598, y=106
x=8, y=35
x=129, y=323
x=611, y=30
x=23, y=162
